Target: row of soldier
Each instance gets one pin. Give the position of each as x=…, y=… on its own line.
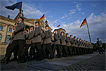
x=38, y=44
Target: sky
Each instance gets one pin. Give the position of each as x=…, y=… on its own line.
x=69, y=14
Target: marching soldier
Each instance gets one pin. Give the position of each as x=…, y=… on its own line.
x=99, y=45
x=77, y=46
x=47, y=49
x=42, y=42
x=68, y=44
x=36, y=42
x=57, y=43
x=17, y=41
x=80, y=46
x=63, y=44
x=72, y=45
x=28, y=43
x=30, y=37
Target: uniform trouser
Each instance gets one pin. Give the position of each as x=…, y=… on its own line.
x=75, y=50
x=47, y=51
x=69, y=50
x=64, y=50
x=58, y=48
x=38, y=48
x=100, y=49
x=26, y=50
x=20, y=51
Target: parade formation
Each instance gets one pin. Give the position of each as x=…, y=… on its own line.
x=38, y=44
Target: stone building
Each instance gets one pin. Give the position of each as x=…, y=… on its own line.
x=6, y=25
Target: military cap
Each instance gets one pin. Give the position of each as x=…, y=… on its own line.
x=46, y=26
x=36, y=22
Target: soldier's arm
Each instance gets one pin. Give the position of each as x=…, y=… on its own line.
x=31, y=35
x=19, y=28
x=49, y=34
x=38, y=32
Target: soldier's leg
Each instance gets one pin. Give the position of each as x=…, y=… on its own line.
x=54, y=48
x=21, y=50
x=50, y=50
x=39, y=51
x=59, y=51
x=32, y=51
x=26, y=50
x=44, y=51
x=15, y=53
x=9, y=51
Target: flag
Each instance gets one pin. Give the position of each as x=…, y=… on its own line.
x=58, y=26
x=83, y=23
x=41, y=19
x=16, y=5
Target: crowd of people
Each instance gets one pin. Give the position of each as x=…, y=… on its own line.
x=38, y=44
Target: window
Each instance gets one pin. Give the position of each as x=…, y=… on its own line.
x=10, y=29
x=7, y=39
x=1, y=28
x=0, y=38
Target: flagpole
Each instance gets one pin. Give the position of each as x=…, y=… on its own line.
x=89, y=33
x=44, y=26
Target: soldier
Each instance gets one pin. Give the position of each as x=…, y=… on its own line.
x=72, y=45
x=18, y=40
x=99, y=46
x=30, y=37
x=68, y=44
x=80, y=46
x=42, y=42
x=28, y=43
x=36, y=42
x=77, y=46
x=47, y=49
x=57, y=44
x=63, y=44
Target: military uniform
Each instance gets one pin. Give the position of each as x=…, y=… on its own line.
x=18, y=40
x=28, y=44
x=68, y=46
x=57, y=45
x=36, y=43
x=99, y=45
x=47, y=49
x=63, y=45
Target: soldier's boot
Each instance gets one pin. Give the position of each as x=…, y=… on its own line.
x=5, y=60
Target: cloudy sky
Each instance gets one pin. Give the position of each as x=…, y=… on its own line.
x=69, y=14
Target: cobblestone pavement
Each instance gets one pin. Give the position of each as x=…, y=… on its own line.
x=87, y=62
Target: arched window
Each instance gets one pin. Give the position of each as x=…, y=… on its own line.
x=0, y=37
x=7, y=39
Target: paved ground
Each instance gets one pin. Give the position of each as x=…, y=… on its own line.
x=88, y=62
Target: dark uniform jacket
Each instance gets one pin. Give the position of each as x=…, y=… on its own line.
x=99, y=43
x=74, y=42
x=35, y=36
x=68, y=41
x=31, y=36
x=28, y=41
x=47, y=37
x=56, y=38
x=19, y=32
x=63, y=40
